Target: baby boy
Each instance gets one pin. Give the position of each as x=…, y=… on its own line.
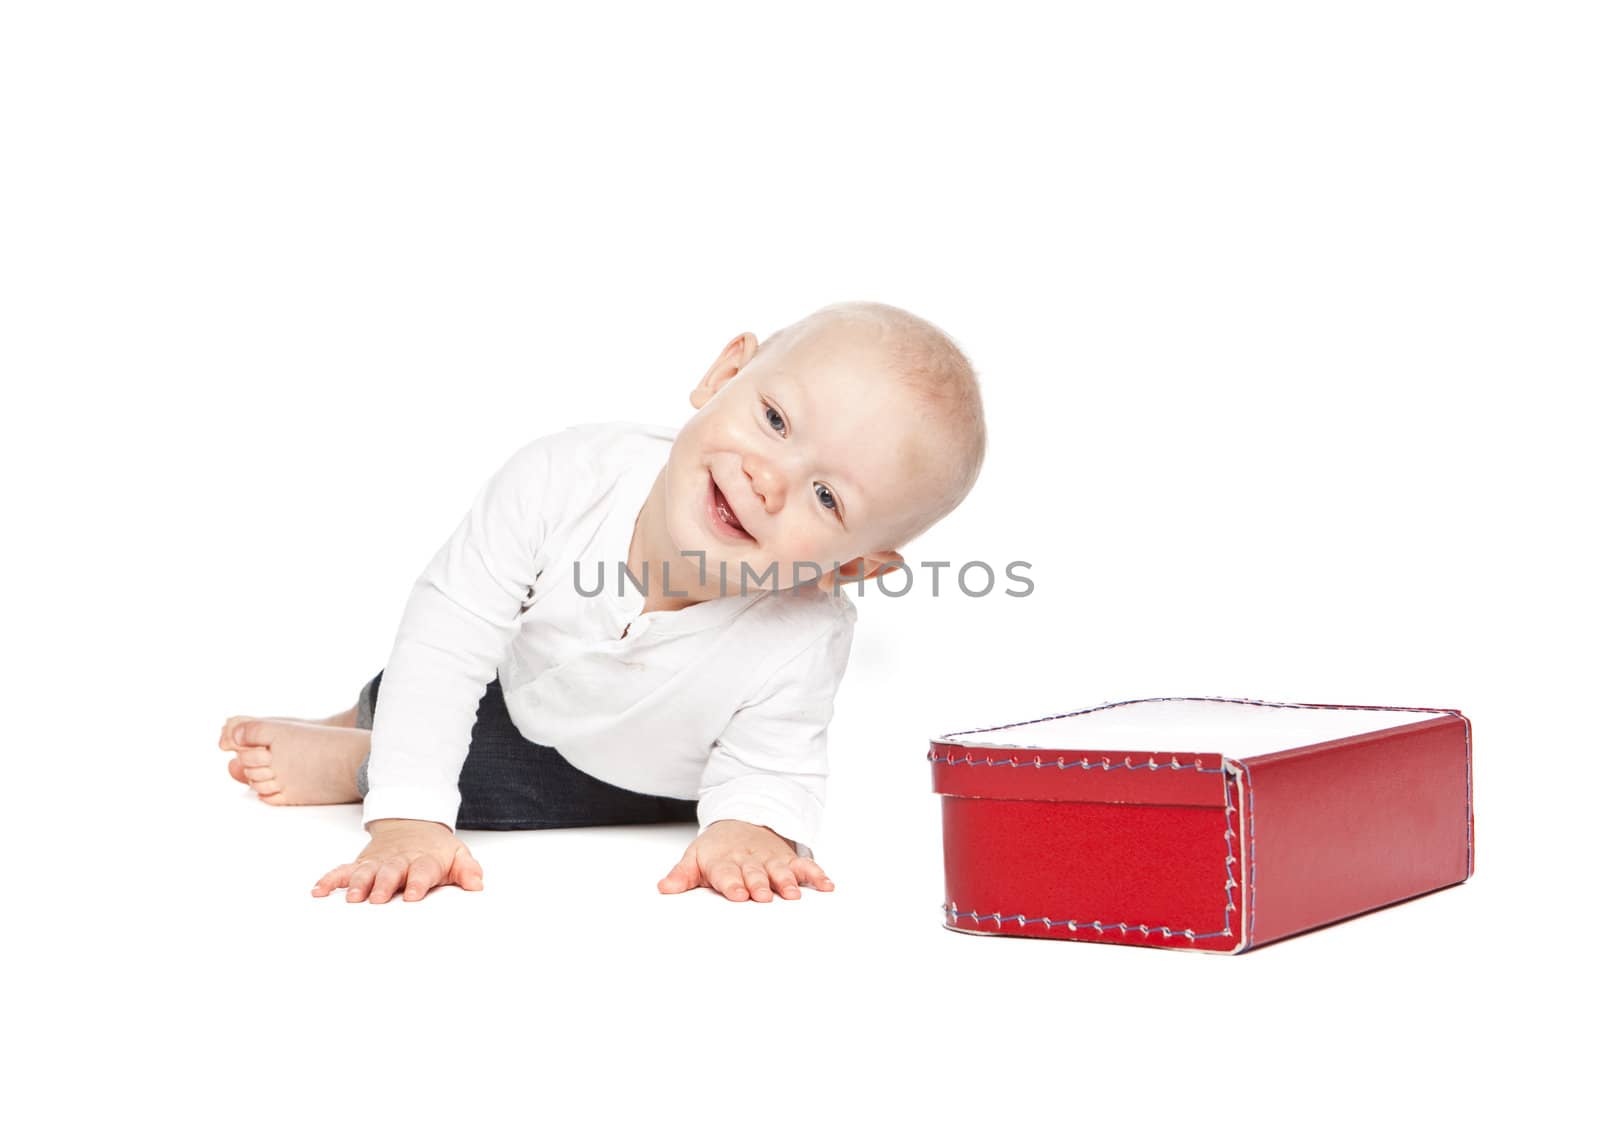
x=637, y=625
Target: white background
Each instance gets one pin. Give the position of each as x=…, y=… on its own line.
x=1285, y=322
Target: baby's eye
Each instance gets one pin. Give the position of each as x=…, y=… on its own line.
x=779, y=425
x=825, y=495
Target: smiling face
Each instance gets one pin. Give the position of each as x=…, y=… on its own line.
x=808, y=452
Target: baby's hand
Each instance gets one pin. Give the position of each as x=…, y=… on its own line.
x=741, y=860
x=413, y=855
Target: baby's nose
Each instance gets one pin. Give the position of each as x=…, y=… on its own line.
x=767, y=483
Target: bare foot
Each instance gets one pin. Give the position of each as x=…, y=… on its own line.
x=344, y=720
x=299, y=763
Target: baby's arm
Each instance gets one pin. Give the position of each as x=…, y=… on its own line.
x=762, y=790
x=458, y=623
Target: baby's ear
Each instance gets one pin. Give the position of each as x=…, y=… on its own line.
x=881, y=562
x=733, y=359
x=864, y=568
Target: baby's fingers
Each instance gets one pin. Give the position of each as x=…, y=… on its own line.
x=425, y=874
x=810, y=873
x=465, y=870
x=755, y=880
x=391, y=876
x=725, y=879
x=361, y=878
x=683, y=876
x=336, y=878
x=783, y=882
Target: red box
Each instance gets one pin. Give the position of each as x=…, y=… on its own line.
x=1216, y=824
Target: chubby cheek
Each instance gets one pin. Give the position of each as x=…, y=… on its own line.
x=806, y=542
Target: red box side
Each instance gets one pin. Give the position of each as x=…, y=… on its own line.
x=1162, y=875
x=1338, y=828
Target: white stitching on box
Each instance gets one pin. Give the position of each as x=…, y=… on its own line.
x=1240, y=701
x=1063, y=763
x=1250, y=801
x=1072, y=926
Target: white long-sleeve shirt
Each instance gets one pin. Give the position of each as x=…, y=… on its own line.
x=725, y=701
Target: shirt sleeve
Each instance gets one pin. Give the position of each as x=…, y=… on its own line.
x=459, y=621
x=769, y=767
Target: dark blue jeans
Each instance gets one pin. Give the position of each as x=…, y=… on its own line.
x=509, y=782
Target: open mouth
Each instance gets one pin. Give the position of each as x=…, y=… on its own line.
x=723, y=517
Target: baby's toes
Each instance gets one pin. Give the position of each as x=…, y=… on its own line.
x=226, y=739
x=263, y=780
x=251, y=757
x=254, y=756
